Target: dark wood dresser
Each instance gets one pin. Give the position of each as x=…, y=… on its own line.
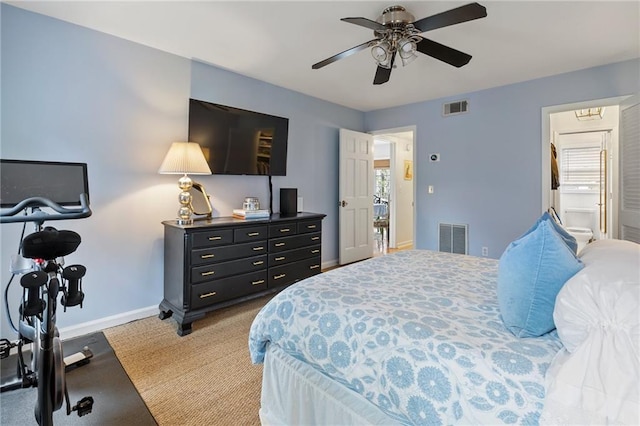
x=223, y=261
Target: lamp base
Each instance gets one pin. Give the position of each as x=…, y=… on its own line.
x=184, y=213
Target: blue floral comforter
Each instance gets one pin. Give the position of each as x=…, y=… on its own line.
x=417, y=333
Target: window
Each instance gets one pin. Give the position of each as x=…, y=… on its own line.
x=381, y=185
x=580, y=168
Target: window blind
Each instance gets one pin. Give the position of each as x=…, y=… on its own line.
x=580, y=167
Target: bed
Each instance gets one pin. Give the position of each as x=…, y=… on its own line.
x=414, y=337
x=544, y=335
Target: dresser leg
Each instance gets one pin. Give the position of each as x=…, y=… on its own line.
x=184, y=329
x=163, y=315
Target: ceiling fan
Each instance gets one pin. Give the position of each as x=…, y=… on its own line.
x=397, y=32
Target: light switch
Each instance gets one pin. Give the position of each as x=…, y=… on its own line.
x=430, y=189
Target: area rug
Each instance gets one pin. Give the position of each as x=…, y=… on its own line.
x=204, y=378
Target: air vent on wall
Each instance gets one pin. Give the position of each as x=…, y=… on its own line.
x=454, y=108
x=452, y=238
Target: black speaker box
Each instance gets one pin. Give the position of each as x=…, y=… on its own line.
x=288, y=201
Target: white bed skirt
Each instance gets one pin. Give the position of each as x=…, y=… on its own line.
x=294, y=393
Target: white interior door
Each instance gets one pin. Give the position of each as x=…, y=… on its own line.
x=356, y=195
x=629, y=218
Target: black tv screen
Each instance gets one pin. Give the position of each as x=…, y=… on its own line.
x=59, y=182
x=237, y=141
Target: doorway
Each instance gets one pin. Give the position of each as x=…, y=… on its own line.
x=394, y=189
x=585, y=137
x=583, y=197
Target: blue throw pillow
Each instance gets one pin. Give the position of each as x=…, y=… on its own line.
x=566, y=236
x=531, y=272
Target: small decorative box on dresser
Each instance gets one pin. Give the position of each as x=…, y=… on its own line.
x=223, y=261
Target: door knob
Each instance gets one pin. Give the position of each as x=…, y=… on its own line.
x=342, y=203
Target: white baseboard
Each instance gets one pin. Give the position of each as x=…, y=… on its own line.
x=405, y=244
x=108, y=322
x=329, y=264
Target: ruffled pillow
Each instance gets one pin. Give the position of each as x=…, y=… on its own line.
x=594, y=380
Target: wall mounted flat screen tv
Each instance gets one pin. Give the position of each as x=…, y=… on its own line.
x=237, y=141
x=60, y=182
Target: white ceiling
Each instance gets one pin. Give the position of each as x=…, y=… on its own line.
x=277, y=42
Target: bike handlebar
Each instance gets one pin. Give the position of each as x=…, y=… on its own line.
x=9, y=215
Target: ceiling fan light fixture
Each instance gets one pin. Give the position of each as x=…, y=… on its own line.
x=381, y=52
x=407, y=50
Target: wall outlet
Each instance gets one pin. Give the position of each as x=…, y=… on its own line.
x=485, y=251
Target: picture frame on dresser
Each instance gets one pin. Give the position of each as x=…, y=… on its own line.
x=212, y=264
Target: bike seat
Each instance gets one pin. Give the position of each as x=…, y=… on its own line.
x=50, y=243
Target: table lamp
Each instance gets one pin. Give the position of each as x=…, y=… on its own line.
x=185, y=158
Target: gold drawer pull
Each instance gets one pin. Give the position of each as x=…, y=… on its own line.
x=280, y=258
x=257, y=282
x=215, y=238
x=279, y=244
x=285, y=230
x=315, y=251
x=204, y=296
x=314, y=266
x=253, y=234
x=315, y=238
x=258, y=248
x=311, y=227
x=277, y=277
x=204, y=274
x=258, y=262
x=207, y=256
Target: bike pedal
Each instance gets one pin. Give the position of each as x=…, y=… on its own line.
x=5, y=348
x=84, y=406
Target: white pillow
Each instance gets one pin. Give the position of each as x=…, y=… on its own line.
x=597, y=314
x=604, y=291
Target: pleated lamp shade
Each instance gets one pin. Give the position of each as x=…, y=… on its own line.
x=183, y=158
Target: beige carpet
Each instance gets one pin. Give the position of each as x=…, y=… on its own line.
x=204, y=378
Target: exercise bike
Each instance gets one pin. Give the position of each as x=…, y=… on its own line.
x=47, y=279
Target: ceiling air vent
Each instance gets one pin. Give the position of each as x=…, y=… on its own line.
x=455, y=108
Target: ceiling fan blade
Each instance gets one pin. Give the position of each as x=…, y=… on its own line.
x=382, y=73
x=341, y=55
x=367, y=23
x=460, y=14
x=444, y=53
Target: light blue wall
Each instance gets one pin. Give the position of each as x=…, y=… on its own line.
x=73, y=94
x=489, y=176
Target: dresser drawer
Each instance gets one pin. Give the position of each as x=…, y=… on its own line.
x=292, y=272
x=224, y=269
x=277, y=245
x=211, y=292
x=283, y=230
x=281, y=258
x=310, y=226
x=220, y=254
x=254, y=233
x=212, y=238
